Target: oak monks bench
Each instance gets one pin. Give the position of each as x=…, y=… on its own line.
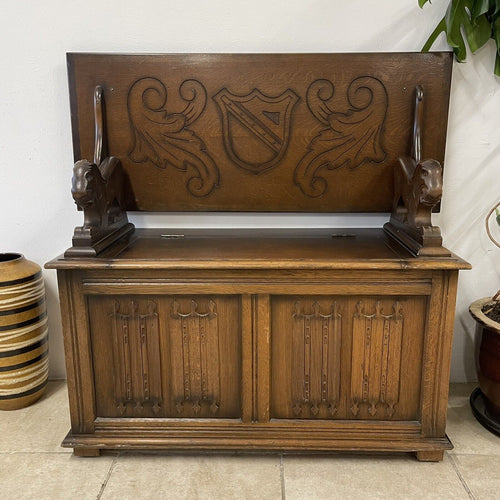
x=263, y=339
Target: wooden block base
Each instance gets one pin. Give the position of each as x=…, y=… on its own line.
x=258, y=440
x=87, y=452
x=430, y=456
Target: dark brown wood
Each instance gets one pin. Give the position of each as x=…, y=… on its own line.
x=418, y=187
x=379, y=333
x=259, y=249
x=430, y=456
x=291, y=340
x=82, y=451
x=260, y=132
x=98, y=189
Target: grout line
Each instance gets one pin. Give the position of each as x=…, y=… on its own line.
x=462, y=480
x=16, y=452
x=470, y=454
x=282, y=476
x=106, y=479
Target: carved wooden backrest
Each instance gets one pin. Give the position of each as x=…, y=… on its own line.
x=268, y=132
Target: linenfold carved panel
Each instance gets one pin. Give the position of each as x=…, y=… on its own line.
x=198, y=331
x=317, y=337
x=136, y=356
x=166, y=356
x=341, y=356
x=376, y=359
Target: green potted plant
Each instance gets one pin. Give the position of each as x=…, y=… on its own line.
x=474, y=21
x=485, y=400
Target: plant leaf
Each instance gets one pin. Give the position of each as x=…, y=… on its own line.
x=496, y=37
x=497, y=7
x=432, y=37
x=478, y=32
x=496, y=34
x=480, y=7
x=455, y=17
x=421, y=3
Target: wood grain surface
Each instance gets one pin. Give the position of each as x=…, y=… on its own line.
x=267, y=132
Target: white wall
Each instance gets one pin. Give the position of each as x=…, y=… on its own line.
x=37, y=212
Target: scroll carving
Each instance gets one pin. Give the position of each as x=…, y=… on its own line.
x=98, y=190
x=258, y=117
x=200, y=358
x=316, y=339
x=376, y=360
x=418, y=187
x=165, y=139
x=137, y=370
x=350, y=138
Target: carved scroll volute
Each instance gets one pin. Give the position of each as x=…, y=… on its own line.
x=418, y=187
x=350, y=139
x=98, y=189
x=164, y=139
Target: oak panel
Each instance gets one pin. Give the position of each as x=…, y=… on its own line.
x=164, y=356
x=260, y=132
x=354, y=357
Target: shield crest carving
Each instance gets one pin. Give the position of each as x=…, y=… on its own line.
x=256, y=127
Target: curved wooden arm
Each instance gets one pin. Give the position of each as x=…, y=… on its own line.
x=418, y=187
x=99, y=140
x=417, y=123
x=98, y=190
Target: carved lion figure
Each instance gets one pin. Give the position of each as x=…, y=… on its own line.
x=98, y=191
x=418, y=188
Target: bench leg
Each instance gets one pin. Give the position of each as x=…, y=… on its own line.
x=430, y=456
x=86, y=452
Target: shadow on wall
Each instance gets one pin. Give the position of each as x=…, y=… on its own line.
x=469, y=344
x=56, y=349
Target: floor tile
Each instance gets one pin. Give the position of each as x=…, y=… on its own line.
x=40, y=427
x=51, y=476
x=353, y=477
x=460, y=394
x=194, y=477
x=481, y=473
x=466, y=433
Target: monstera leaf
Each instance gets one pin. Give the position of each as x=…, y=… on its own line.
x=478, y=19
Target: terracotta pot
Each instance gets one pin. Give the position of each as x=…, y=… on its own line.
x=23, y=332
x=486, y=404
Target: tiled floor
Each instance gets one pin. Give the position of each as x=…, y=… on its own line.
x=33, y=466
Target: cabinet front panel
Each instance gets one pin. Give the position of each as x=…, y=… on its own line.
x=347, y=357
x=166, y=356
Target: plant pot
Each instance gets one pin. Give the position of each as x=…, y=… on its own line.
x=23, y=332
x=485, y=401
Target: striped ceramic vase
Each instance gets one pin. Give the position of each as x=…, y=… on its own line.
x=23, y=332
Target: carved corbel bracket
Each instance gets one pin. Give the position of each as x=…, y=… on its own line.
x=418, y=187
x=98, y=190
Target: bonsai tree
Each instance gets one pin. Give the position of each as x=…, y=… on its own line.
x=474, y=21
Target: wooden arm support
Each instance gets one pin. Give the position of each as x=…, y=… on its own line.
x=98, y=190
x=418, y=187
